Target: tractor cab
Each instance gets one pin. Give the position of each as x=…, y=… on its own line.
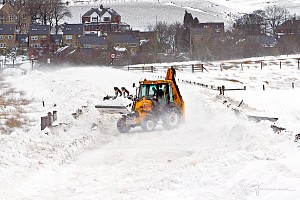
x=162, y=91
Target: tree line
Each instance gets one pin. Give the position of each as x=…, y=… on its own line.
x=47, y=12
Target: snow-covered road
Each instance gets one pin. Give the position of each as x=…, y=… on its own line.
x=214, y=155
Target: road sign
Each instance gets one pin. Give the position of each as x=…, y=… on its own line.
x=14, y=49
x=112, y=55
x=13, y=55
x=32, y=57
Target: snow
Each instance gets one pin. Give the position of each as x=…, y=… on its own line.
x=207, y=11
x=216, y=153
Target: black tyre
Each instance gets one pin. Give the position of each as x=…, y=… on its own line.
x=171, y=119
x=148, y=124
x=122, y=126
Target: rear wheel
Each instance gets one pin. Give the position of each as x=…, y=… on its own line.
x=148, y=124
x=171, y=119
x=122, y=126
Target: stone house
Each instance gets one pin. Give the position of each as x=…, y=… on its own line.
x=124, y=42
x=96, y=46
x=38, y=39
x=71, y=33
x=10, y=14
x=7, y=36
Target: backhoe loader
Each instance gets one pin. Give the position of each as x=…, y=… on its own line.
x=155, y=102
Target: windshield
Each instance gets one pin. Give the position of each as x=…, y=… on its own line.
x=159, y=90
x=147, y=90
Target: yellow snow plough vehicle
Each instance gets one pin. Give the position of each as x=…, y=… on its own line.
x=156, y=101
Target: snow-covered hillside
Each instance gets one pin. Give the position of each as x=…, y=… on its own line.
x=173, y=11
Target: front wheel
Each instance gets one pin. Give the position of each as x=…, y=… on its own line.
x=148, y=124
x=122, y=126
x=171, y=119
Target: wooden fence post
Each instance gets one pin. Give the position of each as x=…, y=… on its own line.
x=223, y=89
x=261, y=65
x=152, y=69
x=242, y=66
x=280, y=64
x=298, y=64
x=143, y=68
x=202, y=67
x=263, y=87
x=293, y=86
x=50, y=119
x=54, y=116
x=44, y=122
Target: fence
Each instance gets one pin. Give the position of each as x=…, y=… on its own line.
x=48, y=120
x=293, y=63
x=152, y=69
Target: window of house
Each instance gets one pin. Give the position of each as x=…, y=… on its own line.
x=133, y=45
x=35, y=45
x=88, y=46
x=44, y=37
x=24, y=16
x=69, y=37
x=11, y=17
x=24, y=25
x=94, y=19
x=34, y=37
x=2, y=45
x=106, y=19
x=10, y=37
x=1, y=37
x=68, y=29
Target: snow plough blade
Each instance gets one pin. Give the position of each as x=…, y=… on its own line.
x=112, y=109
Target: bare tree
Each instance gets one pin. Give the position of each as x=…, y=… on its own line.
x=171, y=35
x=275, y=15
x=45, y=10
x=250, y=24
x=33, y=8
x=59, y=10
x=161, y=29
x=48, y=11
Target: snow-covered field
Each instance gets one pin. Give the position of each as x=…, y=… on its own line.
x=139, y=14
x=216, y=154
